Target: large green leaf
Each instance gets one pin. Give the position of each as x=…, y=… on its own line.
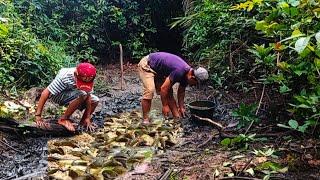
x=293, y=124
x=3, y=30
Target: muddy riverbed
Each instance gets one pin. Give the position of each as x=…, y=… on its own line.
x=24, y=156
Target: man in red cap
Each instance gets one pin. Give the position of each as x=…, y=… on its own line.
x=71, y=87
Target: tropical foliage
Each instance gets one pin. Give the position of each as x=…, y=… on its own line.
x=38, y=37
x=291, y=57
x=275, y=43
x=25, y=59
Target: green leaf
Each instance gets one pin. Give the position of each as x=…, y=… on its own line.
x=317, y=62
x=305, y=52
x=3, y=30
x=303, y=106
x=226, y=142
x=284, y=89
x=269, y=166
x=283, y=5
x=299, y=72
x=295, y=33
x=301, y=44
x=293, y=123
x=303, y=128
x=261, y=25
x=294, y=11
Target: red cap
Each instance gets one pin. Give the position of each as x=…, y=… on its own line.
x=85, y=70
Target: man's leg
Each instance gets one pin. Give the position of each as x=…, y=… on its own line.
x=74, y=99
x=147, y=77
x=146, y=106
x=73, y=105
x=94, y=104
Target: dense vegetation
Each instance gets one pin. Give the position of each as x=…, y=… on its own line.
x=246, y=44
x=275, y=43
x=39, y=36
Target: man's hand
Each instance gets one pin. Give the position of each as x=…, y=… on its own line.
x=165, y=111
x=182, y=111
x=89, y=125
x=41, y=124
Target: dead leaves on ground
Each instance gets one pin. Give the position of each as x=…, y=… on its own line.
x=117, y=148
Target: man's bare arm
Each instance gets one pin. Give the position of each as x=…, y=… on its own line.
x=181, y=95
x=164, y=91
x=43, y=99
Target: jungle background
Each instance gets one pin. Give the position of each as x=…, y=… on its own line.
x=263, y=55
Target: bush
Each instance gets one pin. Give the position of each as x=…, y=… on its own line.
x=25, y=59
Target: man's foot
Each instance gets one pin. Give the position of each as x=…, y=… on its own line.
x=146, y=122
x=67, y=124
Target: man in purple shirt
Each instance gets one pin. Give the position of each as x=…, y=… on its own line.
x=159, y=72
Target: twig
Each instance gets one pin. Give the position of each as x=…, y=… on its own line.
x=121, y=66
x=218, y=125
x=230, y=97
x=246, y=166
x=278, y=59
x=224, y=135
x=230, y=59
x=182, y=144
x=32, y=175
x=243, y=44
x=315, y=126
x=16, y=150
x=318, y=71
x=205, y=142
x=238, y=177
x=166, y=174
x=261, y=98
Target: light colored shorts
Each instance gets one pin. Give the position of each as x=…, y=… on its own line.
x=65, y=97
x=150, y=81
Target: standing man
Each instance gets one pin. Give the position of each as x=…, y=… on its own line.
x=71, y=87
x=159, y=72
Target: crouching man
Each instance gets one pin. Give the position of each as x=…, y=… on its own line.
x=72, y=87
x=159, y=72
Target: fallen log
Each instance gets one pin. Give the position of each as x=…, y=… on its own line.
x=10, y=125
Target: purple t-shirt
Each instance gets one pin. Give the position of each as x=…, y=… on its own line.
x=169, y=65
